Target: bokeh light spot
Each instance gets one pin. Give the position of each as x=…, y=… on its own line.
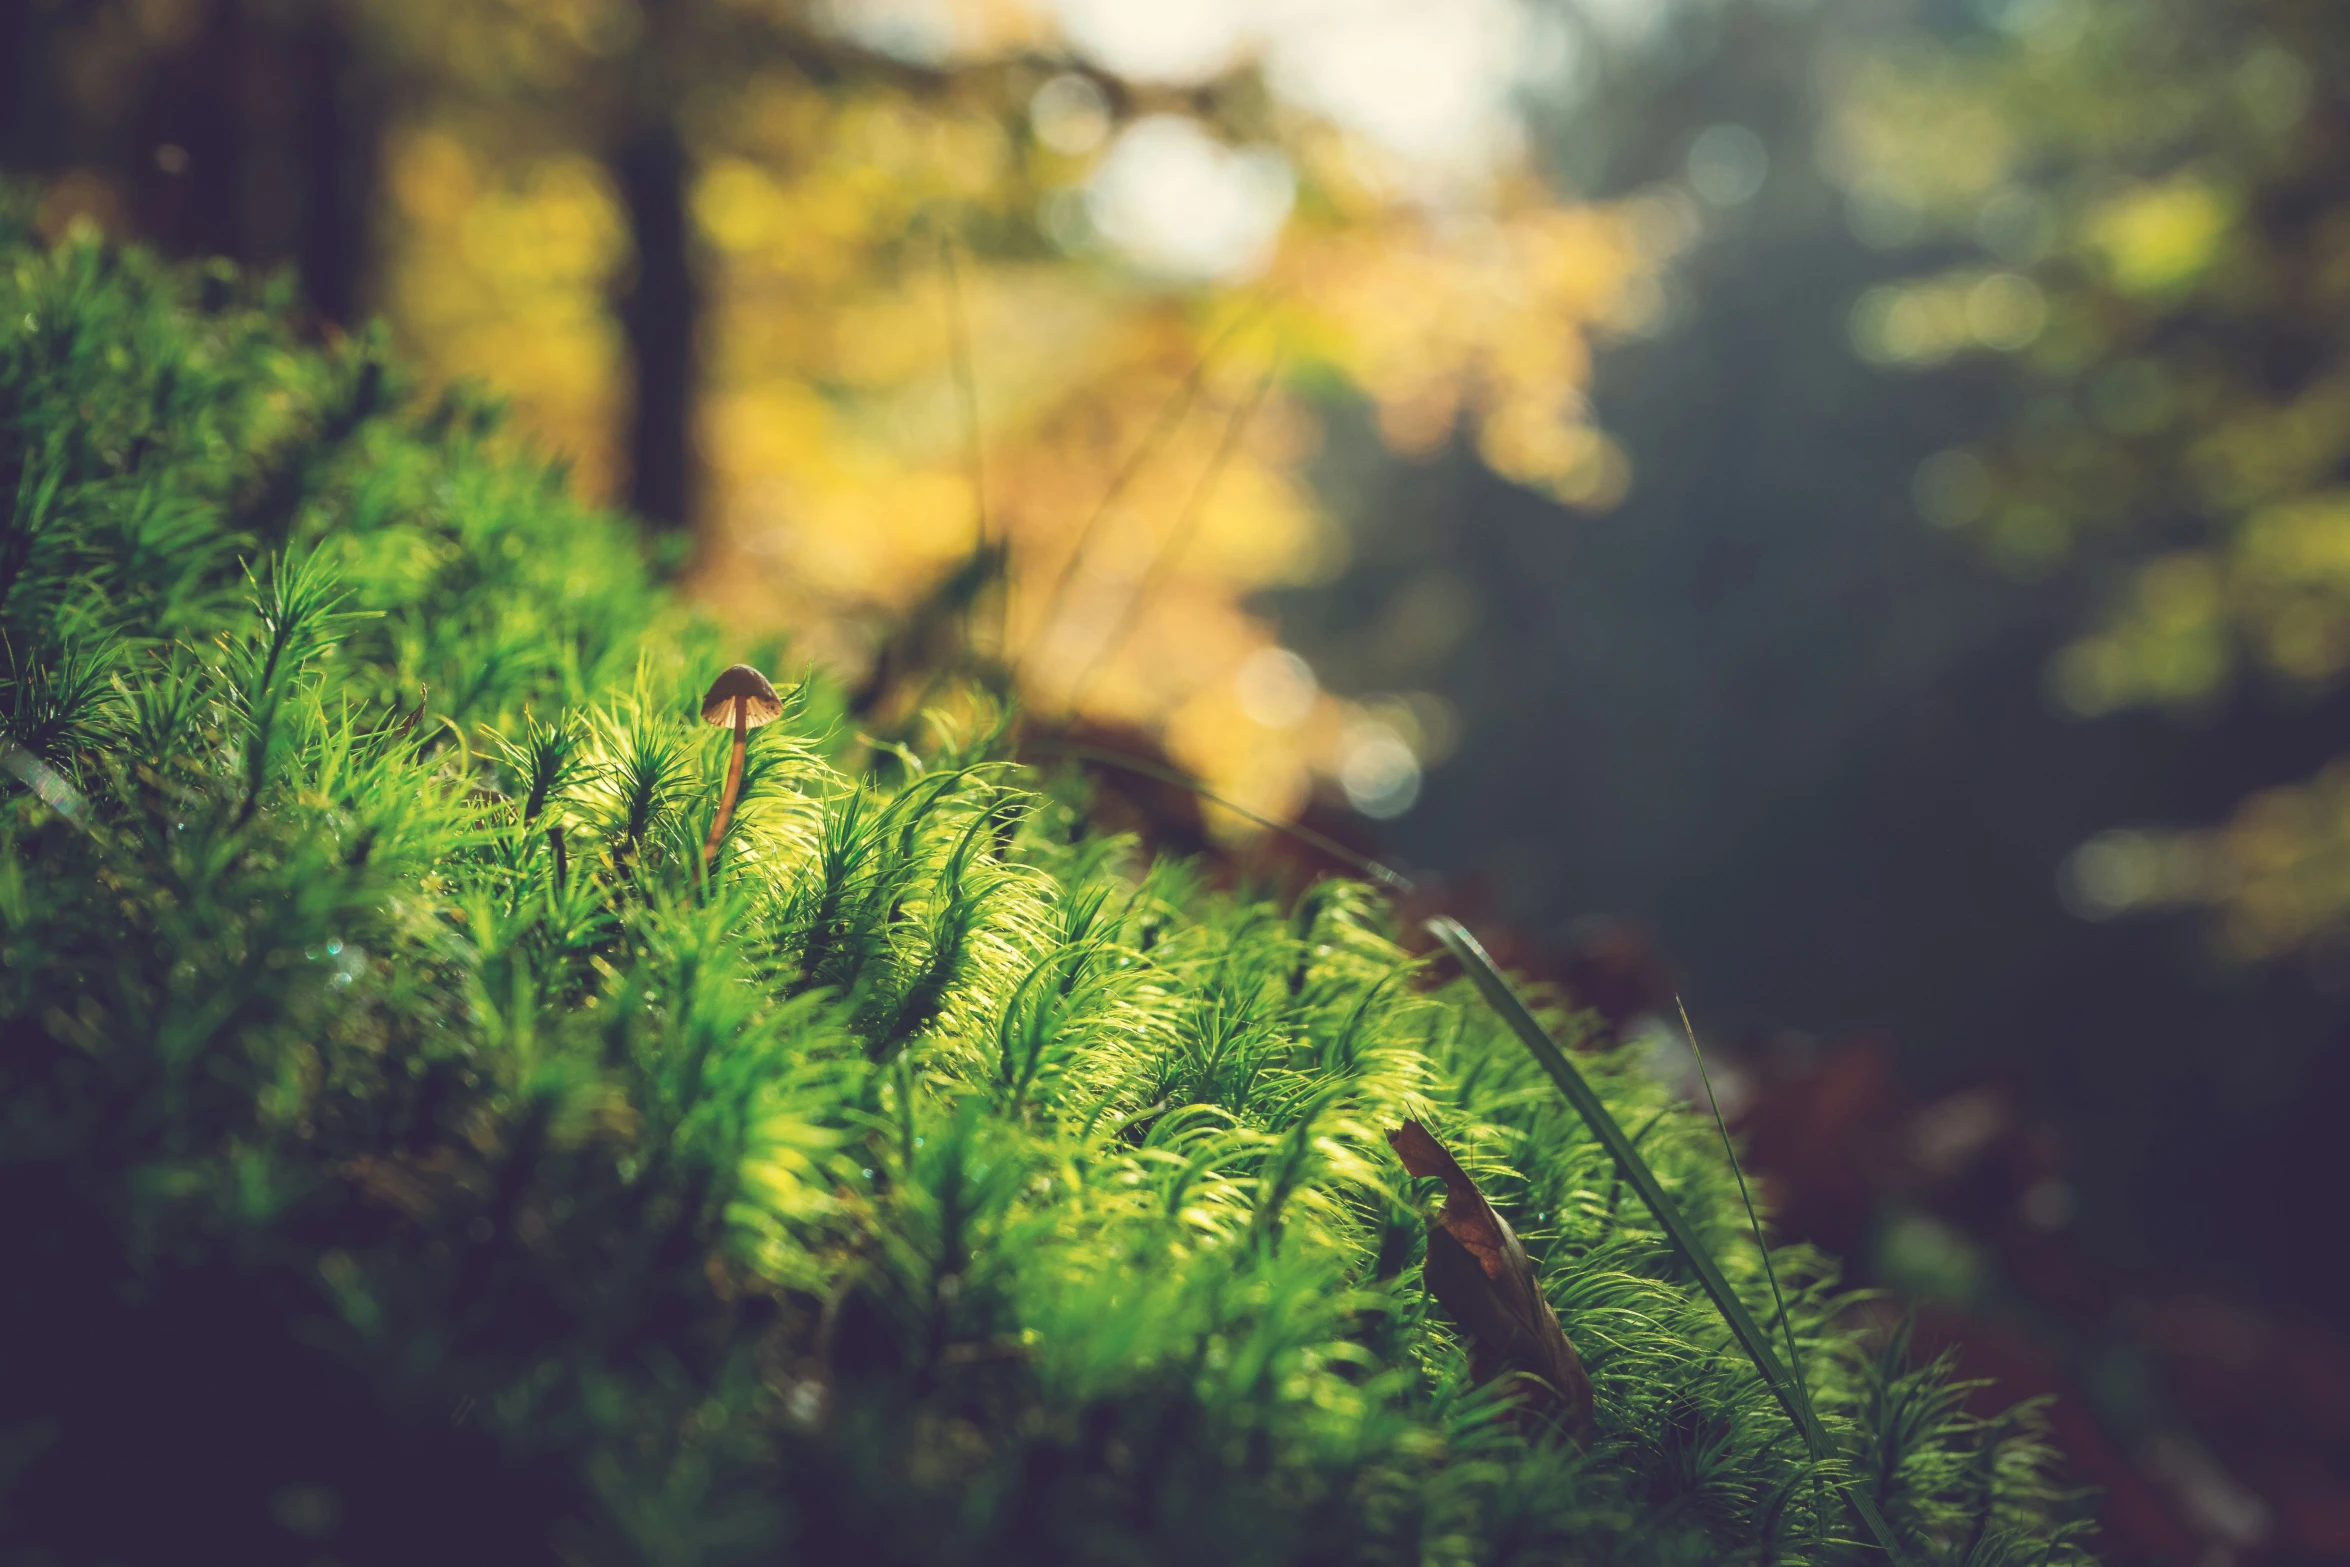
x=1727, y=165
x=1177, y=202
x=1070, y=115
x=2006, y=311
x=1952, y=489
x=1277, y=688
x=1378, y=771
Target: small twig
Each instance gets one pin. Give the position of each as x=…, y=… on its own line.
x=1168, y=775
x=407, y=724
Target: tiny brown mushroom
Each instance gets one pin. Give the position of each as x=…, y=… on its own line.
x=742, y=697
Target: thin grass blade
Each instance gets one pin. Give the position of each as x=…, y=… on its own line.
x=1730, y=1152
x=1637, y=1175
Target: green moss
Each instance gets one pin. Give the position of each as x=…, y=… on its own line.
x=407, y=1152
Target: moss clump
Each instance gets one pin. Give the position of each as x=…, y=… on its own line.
x=409, y=1153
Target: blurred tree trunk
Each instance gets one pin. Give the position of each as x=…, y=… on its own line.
x=659, y=309
x=258, y=139
x=188, y=149
x=339, y=120
x=28, y=108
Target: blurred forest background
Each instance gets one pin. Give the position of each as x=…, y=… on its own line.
x=1836, y=507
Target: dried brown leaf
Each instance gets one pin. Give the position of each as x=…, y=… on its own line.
x=1478, y=1271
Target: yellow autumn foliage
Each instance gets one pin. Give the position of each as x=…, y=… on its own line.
x=851, y=228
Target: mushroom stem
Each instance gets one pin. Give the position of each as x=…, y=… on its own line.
x=734, y=779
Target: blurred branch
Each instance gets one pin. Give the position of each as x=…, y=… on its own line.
x=1170, y=417
x=967, y=393
x=1177, y=540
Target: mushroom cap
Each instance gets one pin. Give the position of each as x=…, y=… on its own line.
x=761, y=704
